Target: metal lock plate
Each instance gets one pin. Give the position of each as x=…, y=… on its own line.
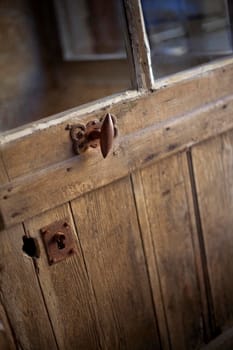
x=58, y=241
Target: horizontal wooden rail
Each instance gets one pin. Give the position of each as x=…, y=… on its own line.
x=46, y=142
x=31, y=195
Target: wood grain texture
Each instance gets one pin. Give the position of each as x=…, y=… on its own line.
x=47, y=142
x=139, y=45
x=20, y=295
x=31, y=195
x=109, y=235
x=67, y=290
x=170, y=231
x=213, y=169
x=150, y=257
x=6, y=334
x=3, y=180
x=3, y=174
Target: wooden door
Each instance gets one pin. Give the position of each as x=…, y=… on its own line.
x=152, y=223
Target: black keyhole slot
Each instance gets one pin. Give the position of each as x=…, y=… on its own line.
x=31, y=247
x=60, y=240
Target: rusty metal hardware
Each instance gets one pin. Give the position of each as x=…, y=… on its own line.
x=95, y=133
x=58, y=241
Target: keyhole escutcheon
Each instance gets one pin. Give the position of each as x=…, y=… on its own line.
x=59, y=238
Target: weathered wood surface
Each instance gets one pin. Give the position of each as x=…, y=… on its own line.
x=6, y=336
x=148, y=213
x=6, y=333
x=47, y=142
x=109, y=295
x=110, y=238
x=100, y=297
x=20, y=295
x=209, y=324
x=3, y=174
x=67, y=290
x=31, y=195
x=168, y=239
x=150, y=258
x=3, y=180
x=213, y=169
x=139, y=45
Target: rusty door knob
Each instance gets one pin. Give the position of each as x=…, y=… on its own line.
x=106, y=135
x=96, y=132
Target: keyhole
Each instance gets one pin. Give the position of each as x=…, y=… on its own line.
x=31, y=247
x=60, y=238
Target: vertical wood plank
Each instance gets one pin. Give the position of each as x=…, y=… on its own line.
x=6, y=336
x=139, y=44
x=3, y=180
x=3, y=174
x=109, y=234
x=67, y=289
x=169, y=245
x=151, y=258
x=213, y=169
x=20, y=294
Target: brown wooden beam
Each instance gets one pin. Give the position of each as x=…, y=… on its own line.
x=51, y=187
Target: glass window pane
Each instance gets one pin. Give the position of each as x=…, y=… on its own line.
x=57, y=55
x=186, y=33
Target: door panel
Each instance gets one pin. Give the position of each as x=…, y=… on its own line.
x=213, y=168
x=108, y=230
x=67, y=290
x=100, y=297
x=22, y=308
x=139, y=278
x=170, y=250
x=88, y=171
x=117, y=306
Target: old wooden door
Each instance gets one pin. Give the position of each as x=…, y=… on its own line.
x=152, y=222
